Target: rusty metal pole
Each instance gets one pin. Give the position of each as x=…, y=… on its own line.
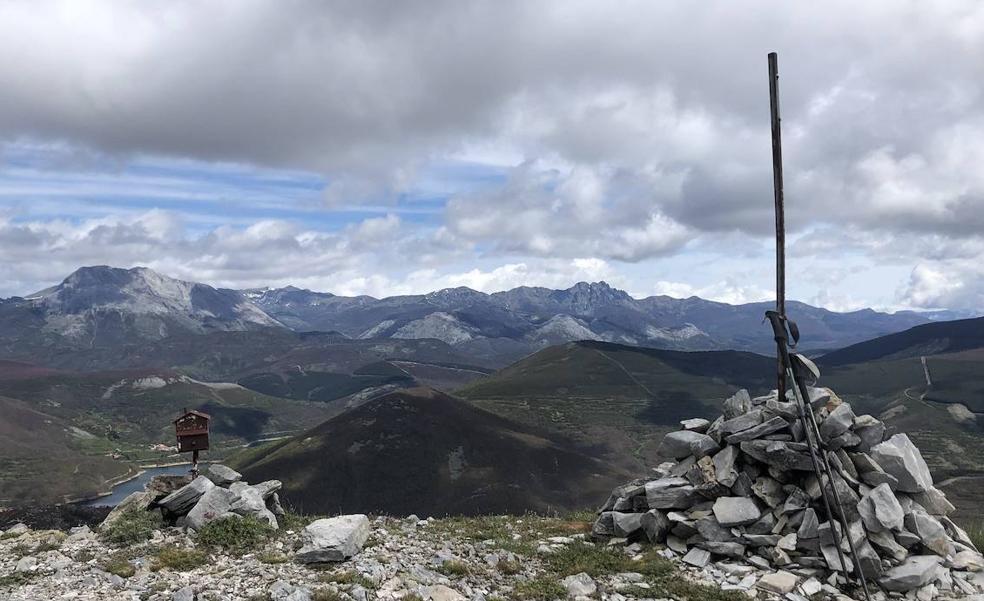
x=780, y=211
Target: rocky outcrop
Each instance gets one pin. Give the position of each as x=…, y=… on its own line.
x=743, y=488
x=218, y=494
x=333, y=539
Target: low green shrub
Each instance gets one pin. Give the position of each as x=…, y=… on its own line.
x=233, y=535
x=118, y=565
x=454, y=568
x=544, y=588
x=178, y=559
x=134, y=526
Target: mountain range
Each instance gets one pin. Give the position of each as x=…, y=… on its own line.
x=106, y=306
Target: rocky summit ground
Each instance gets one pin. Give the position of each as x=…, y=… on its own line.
x=454, y=559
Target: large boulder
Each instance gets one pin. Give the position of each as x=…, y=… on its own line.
x=880, y=510
x=249, y=502
x=684, y=443
x=900, y=458
x=915, y=572
x=212, y=505
x=136, y=501
x=182, y=500
x=930, y=531
x=333, y=539
x=838, y=422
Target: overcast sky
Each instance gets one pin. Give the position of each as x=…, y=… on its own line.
x=396, y=147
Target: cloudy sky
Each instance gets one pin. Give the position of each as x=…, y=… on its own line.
x=389, y=147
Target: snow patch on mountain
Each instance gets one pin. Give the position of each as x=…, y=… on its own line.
x=440, y=325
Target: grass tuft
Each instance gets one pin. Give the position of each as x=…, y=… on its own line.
x=509, y=567
x=327, y=594
x=272, y=557
x=118, y=565
x=178, y=559
x=544, y=588
x=133, y=527
x=348, y=577
x=976, y=533
x=454, y=568
x=16, y=579
x=235, y=536
x=10, y=535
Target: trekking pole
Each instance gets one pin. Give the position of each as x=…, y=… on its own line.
x=818, y=454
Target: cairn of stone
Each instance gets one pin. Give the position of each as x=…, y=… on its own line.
x=742, y=489
x=218, y=493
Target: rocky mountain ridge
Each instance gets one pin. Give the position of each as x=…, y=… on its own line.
x=100, y=306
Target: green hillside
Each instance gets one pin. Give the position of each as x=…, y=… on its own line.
x=43, y=457
x=421, y=451
x=623, y=398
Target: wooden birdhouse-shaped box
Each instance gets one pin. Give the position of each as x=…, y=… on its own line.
x=192, y=431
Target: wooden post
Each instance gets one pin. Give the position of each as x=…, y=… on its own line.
x=194, y=463
x=780, y=214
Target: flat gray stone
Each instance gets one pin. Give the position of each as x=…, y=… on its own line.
x=780, y=582
x=221, y=475
x=626, y=524
x=915, y=572
x=333, y=539
x=697, y=557
x=742, y=422
x=764, y=429
x=727, y=549
x=697, y=424
x=880, y=510
x=783, y=455
x=182, y=500
x=900, y=458
x=736, y=511
x=684, y=443
x=679, y=497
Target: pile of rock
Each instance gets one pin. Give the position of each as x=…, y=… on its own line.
x=218, y=493
x=743, y=488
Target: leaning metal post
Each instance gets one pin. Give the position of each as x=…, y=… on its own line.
x=779, y=202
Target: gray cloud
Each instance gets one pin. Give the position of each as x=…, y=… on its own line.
x=638, y=126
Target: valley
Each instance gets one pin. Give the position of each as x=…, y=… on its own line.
x=449, y=414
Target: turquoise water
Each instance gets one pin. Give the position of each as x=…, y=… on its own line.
x=123, y=490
